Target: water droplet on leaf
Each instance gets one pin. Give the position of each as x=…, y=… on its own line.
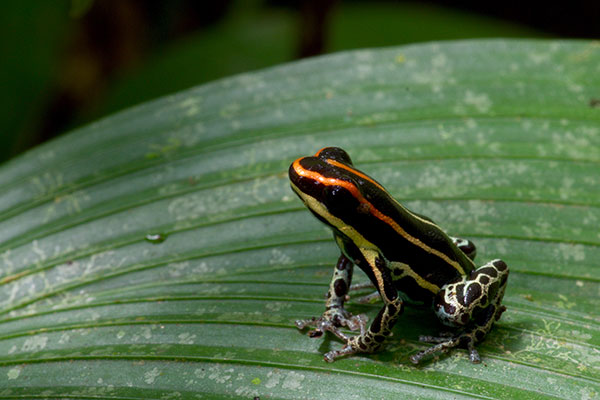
x=156, y=238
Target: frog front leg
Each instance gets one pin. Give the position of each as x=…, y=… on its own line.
x=372, y=339
x=335, y=316
x=473, y=303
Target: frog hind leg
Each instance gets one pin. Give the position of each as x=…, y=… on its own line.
x=335, y=316
x=372, y=339
x=473, y=303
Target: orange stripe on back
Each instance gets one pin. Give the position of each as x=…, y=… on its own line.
x=319, y=152
x=300, y=170
x=369, y=206
x=354, y=171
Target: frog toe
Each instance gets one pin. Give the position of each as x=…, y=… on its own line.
x=473, y=354
x=332, y=322
x=330, y=356
x=303, y=323
x=356, y=322
x=443, y=337
x=445, y=342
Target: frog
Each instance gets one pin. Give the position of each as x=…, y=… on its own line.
x=409, y=259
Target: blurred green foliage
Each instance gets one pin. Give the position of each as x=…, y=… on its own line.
x=38, y=36
x=373, y=24
x=31, y=35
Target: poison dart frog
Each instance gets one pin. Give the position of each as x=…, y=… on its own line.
x=407, y=257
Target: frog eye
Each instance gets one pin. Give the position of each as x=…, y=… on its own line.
x=332, y=194
x=334, y=153
x=338, y=198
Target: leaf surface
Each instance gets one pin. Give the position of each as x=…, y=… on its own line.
x=160, y=252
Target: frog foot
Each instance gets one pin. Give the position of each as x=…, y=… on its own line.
x=332, y=320
x=348, y=349
x=366, y=342
x=445, y=342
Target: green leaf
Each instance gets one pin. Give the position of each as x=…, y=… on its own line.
x=160, y=253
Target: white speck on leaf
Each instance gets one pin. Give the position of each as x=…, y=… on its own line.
x=278, y=257
x=35, y=343
x=172, y=395
x=276, y=306
x=220, y=375
x=538, y=58
x=247, y=392
x=481, y=101
x=570, y=252
x=191, y=105
x=200, y=373
x=64, y=338
x=273, y=379
x=150, y=376
x=186, y=338
x=439, y=60
x=293, y=380
x=146, y=333
x=14, y=373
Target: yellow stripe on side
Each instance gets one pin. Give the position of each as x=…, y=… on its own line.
x=369, y=250
x=370, y=256
x=374, y=211
x=407, y=271
x=318, y=207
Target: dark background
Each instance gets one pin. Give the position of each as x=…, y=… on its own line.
x=69, y=62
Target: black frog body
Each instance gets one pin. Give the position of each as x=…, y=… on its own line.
x=405, y=255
